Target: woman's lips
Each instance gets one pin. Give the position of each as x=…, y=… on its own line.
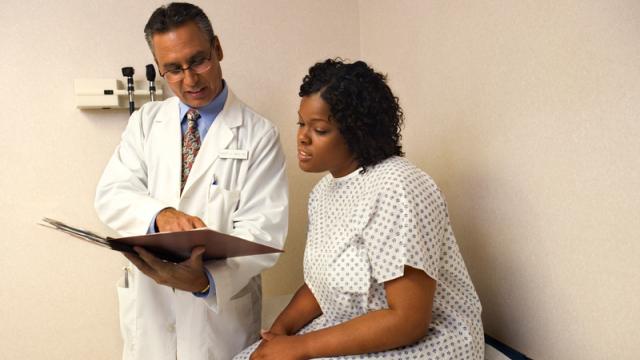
x=303, y=156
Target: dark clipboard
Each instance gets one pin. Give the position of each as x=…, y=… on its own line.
x=171, y=246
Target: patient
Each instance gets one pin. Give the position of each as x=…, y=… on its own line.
x=384, y=278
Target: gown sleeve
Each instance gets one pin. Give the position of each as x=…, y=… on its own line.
x=407, y=226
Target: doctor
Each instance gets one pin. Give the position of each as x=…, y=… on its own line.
x=202, y=158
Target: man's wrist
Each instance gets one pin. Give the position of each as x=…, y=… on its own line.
x=207, y=288
x=204, y=291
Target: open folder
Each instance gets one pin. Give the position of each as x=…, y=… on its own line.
x=171, y=246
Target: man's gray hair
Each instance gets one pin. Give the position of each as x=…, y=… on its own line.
x=173, y=15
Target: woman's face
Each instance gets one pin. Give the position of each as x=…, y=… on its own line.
x=321, y=147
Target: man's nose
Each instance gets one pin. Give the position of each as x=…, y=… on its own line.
x=190, y=77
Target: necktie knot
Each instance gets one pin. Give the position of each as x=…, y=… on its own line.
x=192, y=116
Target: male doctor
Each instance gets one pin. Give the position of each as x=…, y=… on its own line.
x=202, y=158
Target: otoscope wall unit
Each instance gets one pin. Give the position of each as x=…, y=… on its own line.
x=112, y=93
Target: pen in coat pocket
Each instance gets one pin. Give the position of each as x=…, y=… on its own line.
x=126, y=277
x=215, y=181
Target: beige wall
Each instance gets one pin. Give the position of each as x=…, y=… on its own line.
x=57, y=299
x=527, y=115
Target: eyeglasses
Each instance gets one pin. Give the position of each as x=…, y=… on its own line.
x=199, y=65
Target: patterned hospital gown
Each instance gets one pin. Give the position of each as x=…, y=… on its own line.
x=363, y=229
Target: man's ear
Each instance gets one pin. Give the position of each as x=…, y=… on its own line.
x=217, y=48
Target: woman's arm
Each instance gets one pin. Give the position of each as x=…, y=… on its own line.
x=406, y=321
x=302, y=308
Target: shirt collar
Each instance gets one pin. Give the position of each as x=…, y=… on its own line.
x=212, y=109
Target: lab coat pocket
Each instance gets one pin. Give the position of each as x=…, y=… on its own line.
x=127, y=312
x=222, y=205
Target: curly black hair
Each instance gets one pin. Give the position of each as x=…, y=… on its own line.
x=368, y=115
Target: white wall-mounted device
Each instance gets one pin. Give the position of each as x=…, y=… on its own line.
x=111, y=93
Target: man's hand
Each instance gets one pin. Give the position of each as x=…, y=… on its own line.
x=188, y=275
x=170, y=219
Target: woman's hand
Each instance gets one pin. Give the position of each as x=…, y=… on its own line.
x=275, y=330
x=279, y=347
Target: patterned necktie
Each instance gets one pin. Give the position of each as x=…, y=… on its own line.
x=190, y=145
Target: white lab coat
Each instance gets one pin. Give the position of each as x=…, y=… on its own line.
x=242, y=197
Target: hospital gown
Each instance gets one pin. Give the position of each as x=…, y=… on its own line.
x=363, y=229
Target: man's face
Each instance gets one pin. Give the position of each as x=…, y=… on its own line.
x=182, y=47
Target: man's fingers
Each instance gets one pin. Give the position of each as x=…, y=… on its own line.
x=148, y=258
x=130, y=257
x=198, y=223
x=185, y=222
x=192, y=222
x=140, y=264
x=197, y=252
x=195, y=260
x=170, y=219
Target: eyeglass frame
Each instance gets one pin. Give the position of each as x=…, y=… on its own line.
x=190, y=67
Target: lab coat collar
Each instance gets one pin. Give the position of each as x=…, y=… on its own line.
x=170, y=135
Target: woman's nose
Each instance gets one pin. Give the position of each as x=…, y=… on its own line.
x=302, y=136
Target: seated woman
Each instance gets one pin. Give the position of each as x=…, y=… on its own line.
x=384, y=278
